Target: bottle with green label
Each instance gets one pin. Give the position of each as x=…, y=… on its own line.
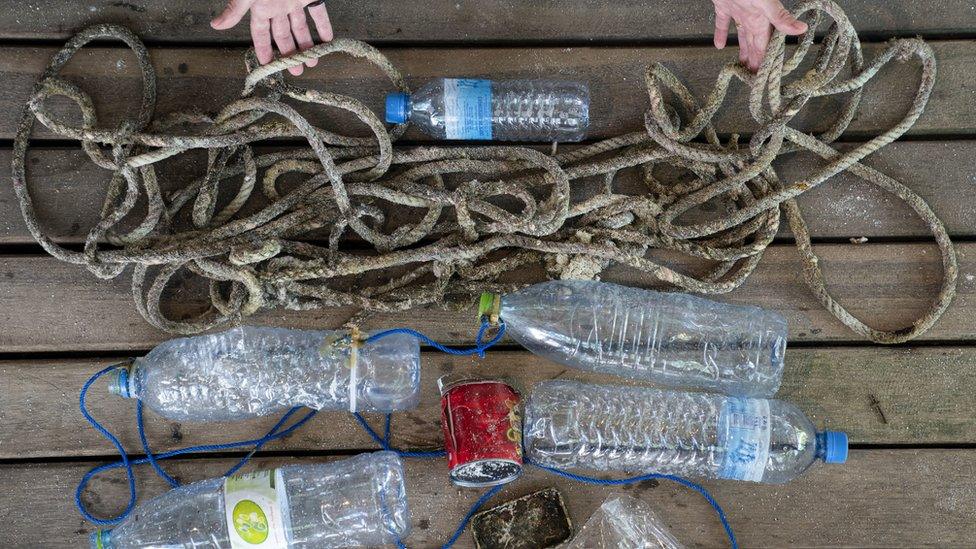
x=499, y=110
x=253, y=371
x=356, y=502
x=643, y=430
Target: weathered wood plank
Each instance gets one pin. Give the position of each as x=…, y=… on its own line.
x=467, y=21
x=878, y=396
x=68, y=189
x=880, y=498
x=207, y=79
x=47, y=305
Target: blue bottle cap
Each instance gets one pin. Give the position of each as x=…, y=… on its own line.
x=836, y=447
x=396, y=107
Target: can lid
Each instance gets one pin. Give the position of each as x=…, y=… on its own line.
x=396, y=107
x=486, y=472
x=449, y=381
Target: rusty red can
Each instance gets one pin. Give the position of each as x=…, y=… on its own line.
x=482, y=430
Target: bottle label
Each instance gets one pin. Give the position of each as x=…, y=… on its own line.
x=467, y=108
x=253, y=503
x=743, y=430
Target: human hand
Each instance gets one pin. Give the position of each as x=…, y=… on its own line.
x=754, y=20
x=282, y=19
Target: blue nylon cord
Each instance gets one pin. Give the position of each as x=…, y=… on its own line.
x=467, y=518
x=127, y=463
x=383, y=441
x=650, y=476
x=124, y=462
x=273, y=434
x=479, y=348
x=145, y=448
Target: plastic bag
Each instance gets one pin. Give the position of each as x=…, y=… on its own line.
x=624, y=522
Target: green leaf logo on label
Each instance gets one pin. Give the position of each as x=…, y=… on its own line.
x=250, y=522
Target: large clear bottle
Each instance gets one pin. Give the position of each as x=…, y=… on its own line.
x=673, y=339
x=253, y=371
x=644, y=430
x=356, y=502
x=500, y=110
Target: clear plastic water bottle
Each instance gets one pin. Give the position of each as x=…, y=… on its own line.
x=356, y=502
x=645, y=430
x=253, y=371
x=507, y=110
x=624, y=522
x=673, y=339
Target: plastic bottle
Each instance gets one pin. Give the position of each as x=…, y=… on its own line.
x=512, y=110
x=673, y=339
x=356, y=502
x=645, y=430
x=252, y=371
x=624, y=522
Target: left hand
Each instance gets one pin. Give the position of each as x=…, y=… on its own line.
x=754, y=22
x=282, y=19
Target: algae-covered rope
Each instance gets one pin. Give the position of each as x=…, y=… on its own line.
x=489, y=211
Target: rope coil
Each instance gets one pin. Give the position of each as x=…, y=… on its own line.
x=352, y=185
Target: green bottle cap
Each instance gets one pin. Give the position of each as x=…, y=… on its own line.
x=489, y=306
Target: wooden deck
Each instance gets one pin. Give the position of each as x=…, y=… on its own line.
x=911, y=478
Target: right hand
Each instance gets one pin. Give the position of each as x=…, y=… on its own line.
x=282, y=19
x=754, y=21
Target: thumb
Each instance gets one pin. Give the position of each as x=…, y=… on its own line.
x=232, y=14
x=782, y=19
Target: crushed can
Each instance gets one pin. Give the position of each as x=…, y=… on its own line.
x=482, y=424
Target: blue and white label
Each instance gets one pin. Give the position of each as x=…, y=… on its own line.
x=743, y=431
x=467, y=108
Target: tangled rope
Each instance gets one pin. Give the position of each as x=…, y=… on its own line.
x=510, y=208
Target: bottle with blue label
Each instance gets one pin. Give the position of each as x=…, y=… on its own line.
x=355, y=502
x=643, y=430
x=509, y=110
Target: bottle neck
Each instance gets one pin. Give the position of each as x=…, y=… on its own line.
x=122, y=381
x=101, y=539
x=490, y=307
x=821, y=446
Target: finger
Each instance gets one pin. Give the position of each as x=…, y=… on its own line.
x=232, y=14
x=782, y=19
x=261, y=36
x=721, y=29
x=322, y=23
x=753, y=57
x=299, y=28
x=742, y=36
x=761, y=39
x=281, y=32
